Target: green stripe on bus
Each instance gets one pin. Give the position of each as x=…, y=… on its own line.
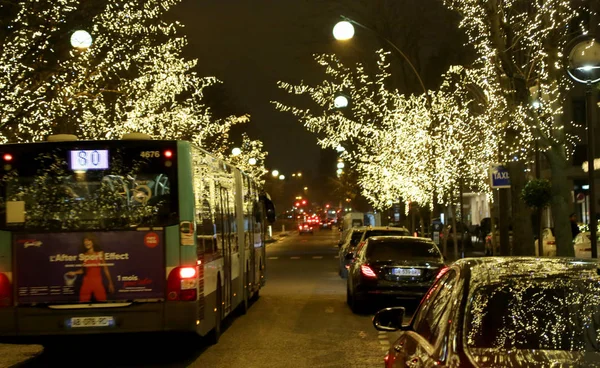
x=172, y=245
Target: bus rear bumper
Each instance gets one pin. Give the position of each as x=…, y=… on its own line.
x=143, y=317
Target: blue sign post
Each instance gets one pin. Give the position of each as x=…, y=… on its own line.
x=499, y=176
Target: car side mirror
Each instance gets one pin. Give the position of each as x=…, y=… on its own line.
x=390, y=319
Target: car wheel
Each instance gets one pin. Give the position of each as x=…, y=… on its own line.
x=357, y=304
x=348, y=297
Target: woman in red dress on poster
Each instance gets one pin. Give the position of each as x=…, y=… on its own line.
x=93, y=265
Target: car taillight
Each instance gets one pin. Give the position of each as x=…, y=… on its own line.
x=389, y=360
x=5, y=291
x=367, y=271
x=182, y=284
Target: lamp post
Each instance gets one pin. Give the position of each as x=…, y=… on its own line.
x=583, y=66
x=344, y=30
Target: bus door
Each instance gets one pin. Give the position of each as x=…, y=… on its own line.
x=226, y=217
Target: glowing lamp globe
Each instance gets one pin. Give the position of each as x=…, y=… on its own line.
x=81, y=39
x=343, y=30
x=236, y=151
x=340, y=102
x=275, y=173
x=252, y=161
x=583, y=64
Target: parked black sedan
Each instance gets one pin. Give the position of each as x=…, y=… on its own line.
x=502, y=312
x=392, y=268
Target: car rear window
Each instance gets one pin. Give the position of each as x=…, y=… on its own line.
x=533, y=314
x=355, y=238
x=402, y=250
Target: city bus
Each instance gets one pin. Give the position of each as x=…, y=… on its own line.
x=130, y=235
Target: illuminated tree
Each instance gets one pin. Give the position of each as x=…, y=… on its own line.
x=521, y=43
x=251, y=160
x=132, y=77
x=398, y=151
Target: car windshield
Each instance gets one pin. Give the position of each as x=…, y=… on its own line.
x=546, y=314
x=395, y=250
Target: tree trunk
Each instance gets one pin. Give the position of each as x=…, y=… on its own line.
x=561, y=201
x=454, y=238
x=521, y=221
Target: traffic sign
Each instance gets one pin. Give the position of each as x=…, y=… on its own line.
x=499, y=176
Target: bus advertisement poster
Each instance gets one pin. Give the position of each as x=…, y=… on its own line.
x=90, y=267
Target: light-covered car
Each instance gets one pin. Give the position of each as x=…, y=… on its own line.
x=502, y=312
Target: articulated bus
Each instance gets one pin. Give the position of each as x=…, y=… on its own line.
x=130, y=235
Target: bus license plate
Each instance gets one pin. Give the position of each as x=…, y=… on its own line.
x=76, y=322
x=406, y=272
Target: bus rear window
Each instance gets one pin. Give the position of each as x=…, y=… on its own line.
x=88, y=185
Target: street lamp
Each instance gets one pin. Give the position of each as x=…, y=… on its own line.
x=236, y=151
x=583, y=66
x=340, y=102
x=275, y=173
x=344, y=30
x=81, y=39
x=252, y=161
x=281, y=177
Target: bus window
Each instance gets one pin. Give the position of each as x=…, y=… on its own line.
x=129, y=191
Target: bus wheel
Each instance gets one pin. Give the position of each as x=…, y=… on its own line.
x=216, y=333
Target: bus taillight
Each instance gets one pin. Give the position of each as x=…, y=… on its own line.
x=187, y=272
x=5, y=291
x=182, y=284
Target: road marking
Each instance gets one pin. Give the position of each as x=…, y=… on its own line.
x=294, y=257
x=317, y=257
x=273, y=258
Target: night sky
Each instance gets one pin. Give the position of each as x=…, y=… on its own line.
x=251, y=44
